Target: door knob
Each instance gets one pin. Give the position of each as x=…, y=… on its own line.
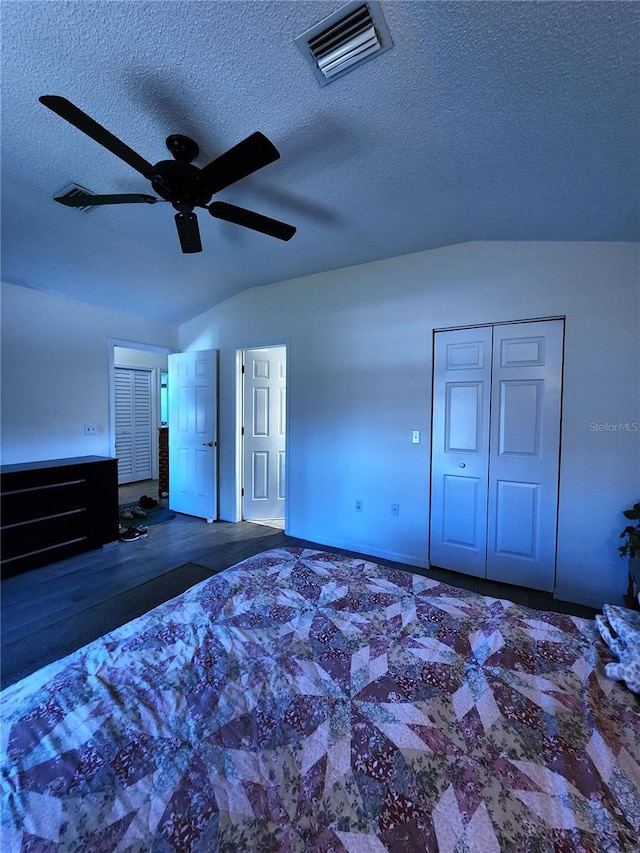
x=462, y=464
x=208, y=443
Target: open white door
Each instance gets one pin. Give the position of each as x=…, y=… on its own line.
x=264, y=431
x=192, y=395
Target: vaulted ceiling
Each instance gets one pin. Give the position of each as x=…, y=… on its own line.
x=485, y=121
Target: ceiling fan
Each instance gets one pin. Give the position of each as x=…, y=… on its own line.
x=179, y=181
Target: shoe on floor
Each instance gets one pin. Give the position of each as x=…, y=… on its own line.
x=142, y=532
x=146, y=502
x=126, y=513
x=138, y=513
x=130, y=535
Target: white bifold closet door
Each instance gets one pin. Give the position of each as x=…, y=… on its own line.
x=495, y=451
x=133, y=424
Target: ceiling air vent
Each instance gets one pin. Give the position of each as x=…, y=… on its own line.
x=72, y=190
x=354, y=34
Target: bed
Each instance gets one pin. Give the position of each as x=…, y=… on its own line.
x=308, y=701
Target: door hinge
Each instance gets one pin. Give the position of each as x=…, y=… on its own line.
x=242, y=433
x=243, y=368
x=243, y=493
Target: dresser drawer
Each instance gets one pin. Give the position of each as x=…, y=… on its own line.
x=30, y=536
x=39, y=502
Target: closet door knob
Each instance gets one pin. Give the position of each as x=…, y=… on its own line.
x=207, y=443
x=462, y=464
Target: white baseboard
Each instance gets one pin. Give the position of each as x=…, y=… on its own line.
x=594, y=601
x=359, y=548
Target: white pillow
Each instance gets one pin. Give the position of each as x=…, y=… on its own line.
x=625, y=645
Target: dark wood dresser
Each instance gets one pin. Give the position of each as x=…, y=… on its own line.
x=55, y=509
x=163, y=462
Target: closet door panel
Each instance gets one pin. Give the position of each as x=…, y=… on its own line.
x=142, y=424
x=133, y=418
x=460, y=448
x=524, y=453
x=124, y=423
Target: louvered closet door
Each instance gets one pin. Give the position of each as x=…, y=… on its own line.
x=133, y=424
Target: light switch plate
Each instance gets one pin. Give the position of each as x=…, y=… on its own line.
x=415, y=436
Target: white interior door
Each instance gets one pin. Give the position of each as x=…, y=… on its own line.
x=460, y=456
x=525, y=453
x=192, y=403
x=264, y=425
x=133, y=424
x=495, y=451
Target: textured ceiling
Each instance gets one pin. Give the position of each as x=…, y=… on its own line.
x=486, y=121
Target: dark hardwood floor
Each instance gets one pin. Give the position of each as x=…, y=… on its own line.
x=52, y=597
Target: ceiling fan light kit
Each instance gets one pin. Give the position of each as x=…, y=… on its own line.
x=178, y=181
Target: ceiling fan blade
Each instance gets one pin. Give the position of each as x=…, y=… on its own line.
x=88, y=199
x=188, y=232
x=249, y=219
x=246, y=157
x=74, y=115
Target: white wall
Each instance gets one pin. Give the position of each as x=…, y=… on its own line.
x=360, y=381
x=55, y=372
x=127, y=357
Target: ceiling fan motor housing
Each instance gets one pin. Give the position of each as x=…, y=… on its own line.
x=180, y=183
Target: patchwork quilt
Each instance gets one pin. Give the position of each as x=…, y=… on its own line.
x=306, y=701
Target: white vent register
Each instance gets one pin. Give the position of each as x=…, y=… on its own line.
x=73, y=190
x=340, y=43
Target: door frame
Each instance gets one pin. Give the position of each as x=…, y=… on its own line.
x=112, y=343
x=562, y=317
x=239, y=418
